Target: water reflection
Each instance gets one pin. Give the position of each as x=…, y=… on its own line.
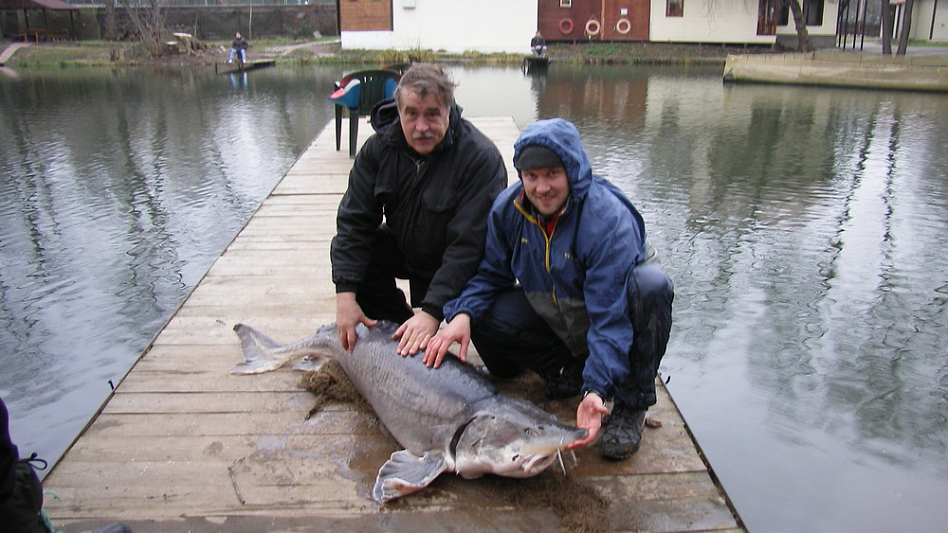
x=804, y=229
x=119, y=189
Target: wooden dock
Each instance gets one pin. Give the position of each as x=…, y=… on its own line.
x=231, y=68
x=533, y=63
x=182, y=445
x=8, y=52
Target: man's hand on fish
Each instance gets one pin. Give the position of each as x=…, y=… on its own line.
x=589, y=417
x=459, y=331
x=415, y=332
x=348, y=315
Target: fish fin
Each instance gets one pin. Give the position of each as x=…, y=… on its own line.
x=255, y=367
x=310, y=363
x=258, y=350
x=405, y=473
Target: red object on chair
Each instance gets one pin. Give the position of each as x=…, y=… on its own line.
x=359, y=92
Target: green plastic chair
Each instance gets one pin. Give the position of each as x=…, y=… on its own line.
x=359, y=92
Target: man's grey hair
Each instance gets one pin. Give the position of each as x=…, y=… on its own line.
x=425, y=79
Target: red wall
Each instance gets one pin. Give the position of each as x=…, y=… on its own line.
x=554, y=21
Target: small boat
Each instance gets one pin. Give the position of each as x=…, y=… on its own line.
x=226, y=68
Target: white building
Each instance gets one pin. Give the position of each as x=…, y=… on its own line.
x=489, y=26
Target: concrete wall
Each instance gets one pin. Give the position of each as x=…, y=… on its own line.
x=454, y=26
x=204, y=22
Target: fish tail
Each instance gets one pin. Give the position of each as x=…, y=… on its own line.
x=261, y=353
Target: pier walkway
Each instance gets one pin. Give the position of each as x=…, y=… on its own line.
x=182, y=445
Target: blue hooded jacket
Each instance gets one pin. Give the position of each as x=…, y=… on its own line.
x=578, y=278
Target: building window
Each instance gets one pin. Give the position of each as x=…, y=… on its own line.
x=767, y=15
x=812, y=13
x=674, y=8
x=566, y=3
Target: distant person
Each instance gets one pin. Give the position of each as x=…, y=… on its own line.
x=239, y=46
x=568, y=288
x=415, y=208
x=538, y=45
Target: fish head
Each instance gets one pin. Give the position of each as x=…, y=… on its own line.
x=512, y=438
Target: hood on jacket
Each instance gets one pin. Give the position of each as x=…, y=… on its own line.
x=562, y=138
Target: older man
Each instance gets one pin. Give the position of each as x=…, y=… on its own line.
x=416, y=208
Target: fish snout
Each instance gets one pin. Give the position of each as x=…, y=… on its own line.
x=552, y=444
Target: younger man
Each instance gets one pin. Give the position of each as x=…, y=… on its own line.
x=568, y=288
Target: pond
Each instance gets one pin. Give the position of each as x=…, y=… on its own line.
x=804, y=229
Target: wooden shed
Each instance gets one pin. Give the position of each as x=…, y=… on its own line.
x=594, y=20
x=365, y=15
x=38, y=29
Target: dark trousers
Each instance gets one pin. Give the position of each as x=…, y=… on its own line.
x=378, y=295
x=511, y=336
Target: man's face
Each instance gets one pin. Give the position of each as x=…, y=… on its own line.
x=424, y=120
x=546, y=188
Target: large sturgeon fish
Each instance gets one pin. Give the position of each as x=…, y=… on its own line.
x=448, y=419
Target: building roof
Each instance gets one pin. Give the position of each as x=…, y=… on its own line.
x=35, y=4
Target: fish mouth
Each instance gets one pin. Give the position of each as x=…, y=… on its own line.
x=550, y=447
x=538, y=457
x=538, y=463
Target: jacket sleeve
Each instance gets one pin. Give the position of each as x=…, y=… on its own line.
x=357, y=221
x=609, y=261
x=481, y=180
x=494, y=273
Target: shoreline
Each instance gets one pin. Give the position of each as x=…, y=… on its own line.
x=103, y=53
x=328, y=51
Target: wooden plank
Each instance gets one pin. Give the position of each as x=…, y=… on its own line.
x=207, y=402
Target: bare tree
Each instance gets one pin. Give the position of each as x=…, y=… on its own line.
x=109, y=20
x=906, y=27
x=151, y=26
x=803, y=36
x=887, y=20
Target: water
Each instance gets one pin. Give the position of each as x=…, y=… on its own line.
x=804, y=229
x=119, y=189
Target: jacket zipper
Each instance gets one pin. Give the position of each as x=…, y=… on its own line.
x=548, y=240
